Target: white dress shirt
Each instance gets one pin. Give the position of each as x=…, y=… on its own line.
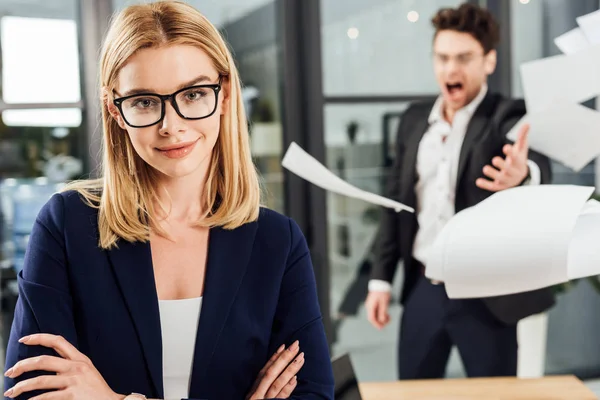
x=437, y=171
x=179, y=324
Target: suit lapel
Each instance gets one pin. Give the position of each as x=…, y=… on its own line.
x=132, y=265
x=476, y=127
x=229, y=253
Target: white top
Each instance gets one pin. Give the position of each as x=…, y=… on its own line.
x=179, y=325
x=437, y=171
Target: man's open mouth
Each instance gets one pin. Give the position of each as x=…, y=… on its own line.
x=454, y=87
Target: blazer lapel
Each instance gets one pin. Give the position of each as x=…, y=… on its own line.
x=229, y=253
x=132, y=265
x=476, y=126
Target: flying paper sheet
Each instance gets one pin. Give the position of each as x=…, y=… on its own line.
x=560, y=127
x=572, y=41
x=584, y=250
x=308, y=168
x=518, y=240
x=568, y=133
x=555, y=86
x=590, y=25
x=563, y=78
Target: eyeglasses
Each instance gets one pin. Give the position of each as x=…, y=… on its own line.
x=147, y=109
x=461, y=59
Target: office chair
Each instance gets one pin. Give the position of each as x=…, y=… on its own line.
x=346, y=385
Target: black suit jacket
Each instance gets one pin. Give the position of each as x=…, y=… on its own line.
x=484, y=139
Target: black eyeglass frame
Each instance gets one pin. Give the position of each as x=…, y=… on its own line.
x=216, y=87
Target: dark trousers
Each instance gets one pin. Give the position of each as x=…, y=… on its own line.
x=432, y=324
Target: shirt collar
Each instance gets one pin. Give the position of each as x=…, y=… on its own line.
x=436, y=112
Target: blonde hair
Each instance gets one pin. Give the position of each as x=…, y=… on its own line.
x=125, y=194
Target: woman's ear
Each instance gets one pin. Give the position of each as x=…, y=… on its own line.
x=225, y=95
x=112, y=109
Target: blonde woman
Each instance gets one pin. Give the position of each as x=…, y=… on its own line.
x=165, y=279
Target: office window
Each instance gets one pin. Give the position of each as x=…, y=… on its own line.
x=56, y=117
x=40, y=61
x=41, y=108
x=40, y=151
x=378, y=47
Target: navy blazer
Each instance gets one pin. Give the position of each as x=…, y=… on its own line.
x=259, y=293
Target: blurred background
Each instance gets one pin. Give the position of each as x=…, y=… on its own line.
x=333, y=76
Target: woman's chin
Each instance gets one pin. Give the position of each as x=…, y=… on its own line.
x=178, y=171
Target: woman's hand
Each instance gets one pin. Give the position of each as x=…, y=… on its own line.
x=76, y=377
x=278, y=379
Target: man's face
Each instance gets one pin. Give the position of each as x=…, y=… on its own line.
x=460, y=66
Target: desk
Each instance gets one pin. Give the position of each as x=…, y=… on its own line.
x=547, y=388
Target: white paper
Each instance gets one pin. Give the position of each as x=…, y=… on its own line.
x=566, y=132
x=572, y=41
x=590, y=25
x=514, y=241
x=308, y=168
x=584, y=249
x=591, y=207
x=572, y=78
x=437, y=257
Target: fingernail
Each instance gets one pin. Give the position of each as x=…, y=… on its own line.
x=295, y=346
x=280, y=349
x=8, y=392
x=24, y=339
x=7, y=373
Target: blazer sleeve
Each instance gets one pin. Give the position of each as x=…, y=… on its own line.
x=298, y=317
x=513, y=114
x=386, y=250
x=44, y=304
